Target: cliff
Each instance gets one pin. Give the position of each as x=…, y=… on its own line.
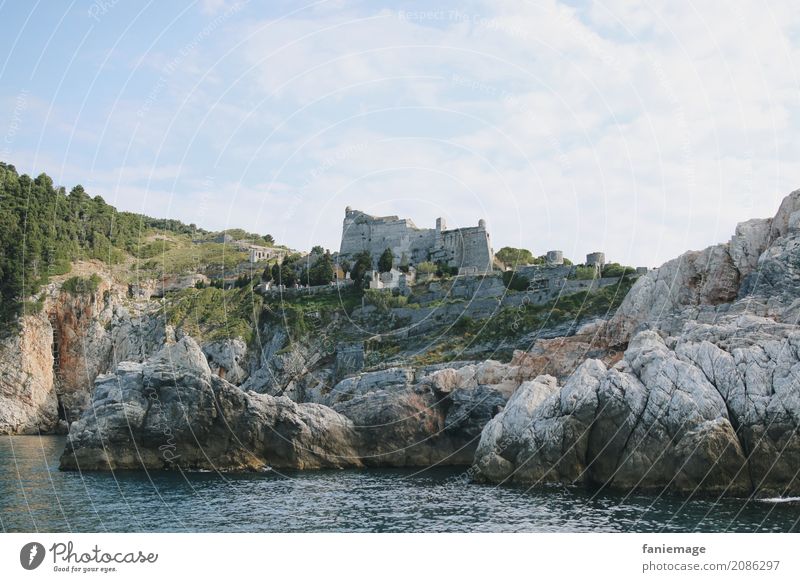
x=48, y=367
x=28, y=401
x=706, y=397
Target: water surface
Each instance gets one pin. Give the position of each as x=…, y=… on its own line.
x=36, y=496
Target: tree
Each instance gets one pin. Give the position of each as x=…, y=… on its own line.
x=266, y=276
x=386, y=261
x=321, y=272
x=513, y=257
x=43, y=229
x=515, y=282
x=284, y=274
x=362, y=264
x=268, y=238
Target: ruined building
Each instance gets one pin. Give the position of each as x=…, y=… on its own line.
x=468, y=249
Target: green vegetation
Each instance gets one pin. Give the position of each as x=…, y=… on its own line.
x=511, y=257
x=584, y=273
x=241, y=234
x=283, y=273
x=426, y=268
x=386, y=261
x=306, y=315
x=43, y=229
x=384, y=300
x=81, y=285
x=321, y=272
x=210, y=313
x=445, y=270
x=617, y=270
x=514, y=321
x=154, y=248
x=362, y=264
x=180, y=255
x=515, y=282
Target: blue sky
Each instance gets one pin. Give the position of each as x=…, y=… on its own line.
x=641, y=129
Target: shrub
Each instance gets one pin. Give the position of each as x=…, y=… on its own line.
x=617, y=270
x=81, y=285
x=384, y=300
x=463, y=324
x=511, y=257
x=445, y=270
x=426, y=268
x=584, y=273
x=515, y=282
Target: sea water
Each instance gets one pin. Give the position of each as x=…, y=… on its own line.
x=36, y=496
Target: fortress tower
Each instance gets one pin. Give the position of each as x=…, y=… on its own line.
x=468, y=248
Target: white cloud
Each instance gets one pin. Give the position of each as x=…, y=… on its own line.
x=638, y=129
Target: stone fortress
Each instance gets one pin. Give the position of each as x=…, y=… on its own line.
x=468, y=249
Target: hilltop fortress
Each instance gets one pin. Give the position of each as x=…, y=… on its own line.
x=468, y=249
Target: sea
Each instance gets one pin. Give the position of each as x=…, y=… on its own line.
x=35, y=496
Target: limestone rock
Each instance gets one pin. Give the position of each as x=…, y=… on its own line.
x=658, y=423
x=707, y=277
x=179, y=414
x=751, y=239
x=28, y=402
x=359, y=385
x=227, y=359
x=780, y=224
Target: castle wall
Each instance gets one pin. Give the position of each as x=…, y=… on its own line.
x=463, y=247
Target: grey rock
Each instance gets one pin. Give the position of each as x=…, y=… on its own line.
x=227, y=359
x=28, y=402
x=177, y=413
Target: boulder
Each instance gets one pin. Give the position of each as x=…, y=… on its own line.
x=172, y=411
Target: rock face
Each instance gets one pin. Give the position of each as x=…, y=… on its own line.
x=92, y=332
x=227, y=359
x=27, y=399
x=180, y=413
x=701, y=285
x=706, y=398
x=48, y=370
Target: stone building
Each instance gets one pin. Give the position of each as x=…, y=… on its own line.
x=459, y=248
x=259, y=253
x=394, y=279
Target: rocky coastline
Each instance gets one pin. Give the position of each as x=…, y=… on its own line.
x=690, y=387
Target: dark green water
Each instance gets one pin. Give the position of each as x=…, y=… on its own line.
x=36, y=496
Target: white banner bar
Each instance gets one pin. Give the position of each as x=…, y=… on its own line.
x=370, y=557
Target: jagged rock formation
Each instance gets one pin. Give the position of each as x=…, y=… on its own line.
x=47, y=370
x=707, y=396
x=180, y=413
x=92, y=332
x=227, y=359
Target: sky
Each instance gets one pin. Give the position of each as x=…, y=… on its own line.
x=642, y=129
